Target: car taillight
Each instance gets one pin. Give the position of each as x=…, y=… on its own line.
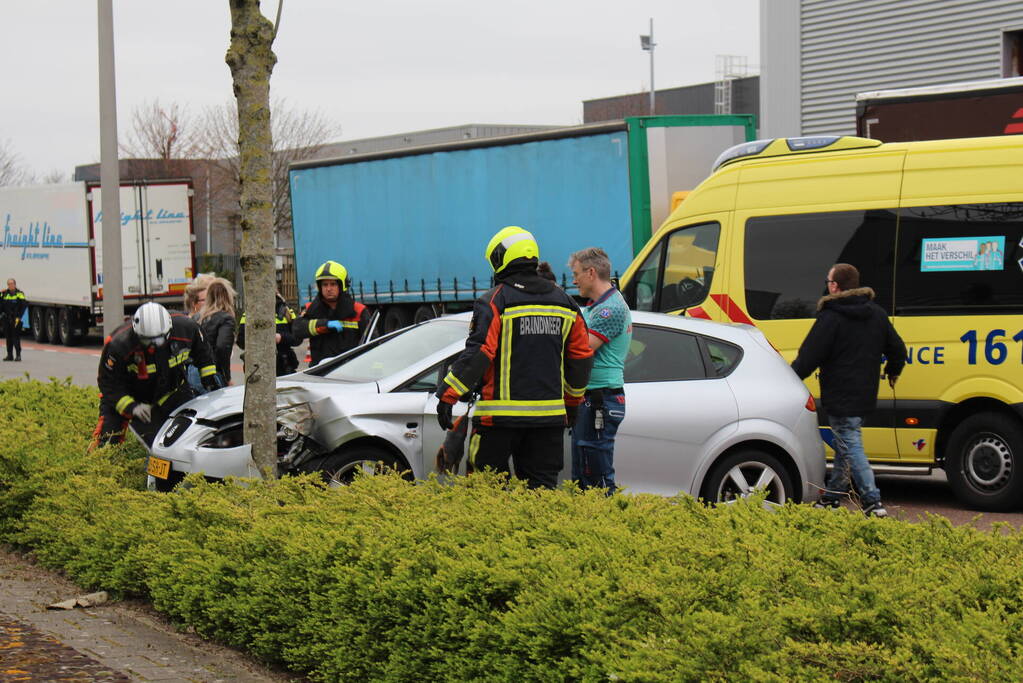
x=811, y=405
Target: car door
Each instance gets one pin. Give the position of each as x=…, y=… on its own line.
x=673, y=409
x=430, y=434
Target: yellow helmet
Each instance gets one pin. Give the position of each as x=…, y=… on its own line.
x=332, y=270
x=509, y=244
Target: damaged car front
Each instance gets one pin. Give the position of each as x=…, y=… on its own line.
x=364, y=410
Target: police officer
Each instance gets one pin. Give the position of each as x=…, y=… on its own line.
x=12, y=304
x=529, y=356
x=142, y=372
x=287, y=361
x=333, y=322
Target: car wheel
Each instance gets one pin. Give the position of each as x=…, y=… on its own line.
x=740, y=474
x=395, y=318
x=37, y=318
x=339, y=469
x=981, y=462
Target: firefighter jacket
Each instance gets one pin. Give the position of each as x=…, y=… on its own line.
x=323, y=341
x=528, y=352
x=12, y=304
x=287, y=361
x=130, y=373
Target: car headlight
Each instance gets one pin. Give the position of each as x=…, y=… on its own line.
x=227, y=434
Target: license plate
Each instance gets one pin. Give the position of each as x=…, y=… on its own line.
x=158, y=467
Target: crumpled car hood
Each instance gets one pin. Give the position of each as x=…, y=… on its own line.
x=228, y=401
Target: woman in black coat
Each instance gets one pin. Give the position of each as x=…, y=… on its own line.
x=218, y=324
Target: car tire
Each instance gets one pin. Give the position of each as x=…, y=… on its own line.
x=735, y=476
x=338, y=469
x=53, y=326
x=395, y=318
x=37, y=318
x=983, y=461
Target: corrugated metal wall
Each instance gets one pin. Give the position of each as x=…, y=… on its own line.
x=851, y=46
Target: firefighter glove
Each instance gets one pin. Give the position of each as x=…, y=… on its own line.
x=444, y=415
x=143, y=412
x=571, y=413
x=334, y=325
x=213, y=382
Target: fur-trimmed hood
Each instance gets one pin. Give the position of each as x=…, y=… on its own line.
x=851, y=302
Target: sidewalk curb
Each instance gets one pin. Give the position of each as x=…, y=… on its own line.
x=128, y=637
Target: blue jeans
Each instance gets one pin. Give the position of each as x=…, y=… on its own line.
x=194, y=380
x=592, y=448
x=850, y=459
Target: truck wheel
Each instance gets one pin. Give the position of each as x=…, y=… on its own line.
x=37, y=318
x=396, y=318
x=423, y=313
x=53, y=326
x=983, y=461
x=69, y=331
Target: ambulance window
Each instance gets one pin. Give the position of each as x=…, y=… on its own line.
x=640, y=293
x=688, y=266
x=960, y=259
x=787, y=259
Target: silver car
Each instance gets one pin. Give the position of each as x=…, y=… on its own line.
x=712, y=410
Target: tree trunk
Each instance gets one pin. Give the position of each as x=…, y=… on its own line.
x=252, y=60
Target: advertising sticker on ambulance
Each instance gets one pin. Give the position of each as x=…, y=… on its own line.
x=963, y=253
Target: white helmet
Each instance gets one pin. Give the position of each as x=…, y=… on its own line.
x=152, y=324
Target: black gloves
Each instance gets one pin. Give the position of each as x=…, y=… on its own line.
x=212, y=382
x=444, y=415
x=571, y=413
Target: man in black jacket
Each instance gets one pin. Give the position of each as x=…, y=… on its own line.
x=12, y=305
x=333, y=322
x=846, y=342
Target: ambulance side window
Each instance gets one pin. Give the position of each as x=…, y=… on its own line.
x=787, y=259
x=960, y=259
x=677, y=274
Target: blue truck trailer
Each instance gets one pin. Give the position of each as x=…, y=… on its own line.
x=411, y=225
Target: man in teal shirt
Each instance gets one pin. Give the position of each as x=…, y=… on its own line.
x=603, y=408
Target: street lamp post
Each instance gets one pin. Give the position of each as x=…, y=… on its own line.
x=648, y=44
x=110, y=174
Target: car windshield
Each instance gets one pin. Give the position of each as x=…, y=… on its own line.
x=400, y=351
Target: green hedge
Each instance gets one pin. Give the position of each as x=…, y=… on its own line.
x=385, y=580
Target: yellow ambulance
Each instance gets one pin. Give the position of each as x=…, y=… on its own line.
x=936, y=230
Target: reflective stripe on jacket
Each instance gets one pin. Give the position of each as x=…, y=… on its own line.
x=528, y=352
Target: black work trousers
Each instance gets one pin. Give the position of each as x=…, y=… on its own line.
x=12, y=330
x=537, y=453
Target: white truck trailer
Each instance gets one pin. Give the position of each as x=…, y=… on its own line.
x=52, y=245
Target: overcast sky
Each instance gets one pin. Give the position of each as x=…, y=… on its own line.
x=374, y=67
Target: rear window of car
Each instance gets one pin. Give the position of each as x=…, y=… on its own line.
x=657, y=354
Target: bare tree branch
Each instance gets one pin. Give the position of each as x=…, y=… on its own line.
x=12, y=170
x=162, y=132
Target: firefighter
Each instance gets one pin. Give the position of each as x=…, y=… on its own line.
x=529, y=357
x=287, y=361
x=142, y=372
x=333, y=322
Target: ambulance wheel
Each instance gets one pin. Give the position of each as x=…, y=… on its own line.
x=983, y=461
x=395, y=318
x=37, y=318
x=53, y=326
